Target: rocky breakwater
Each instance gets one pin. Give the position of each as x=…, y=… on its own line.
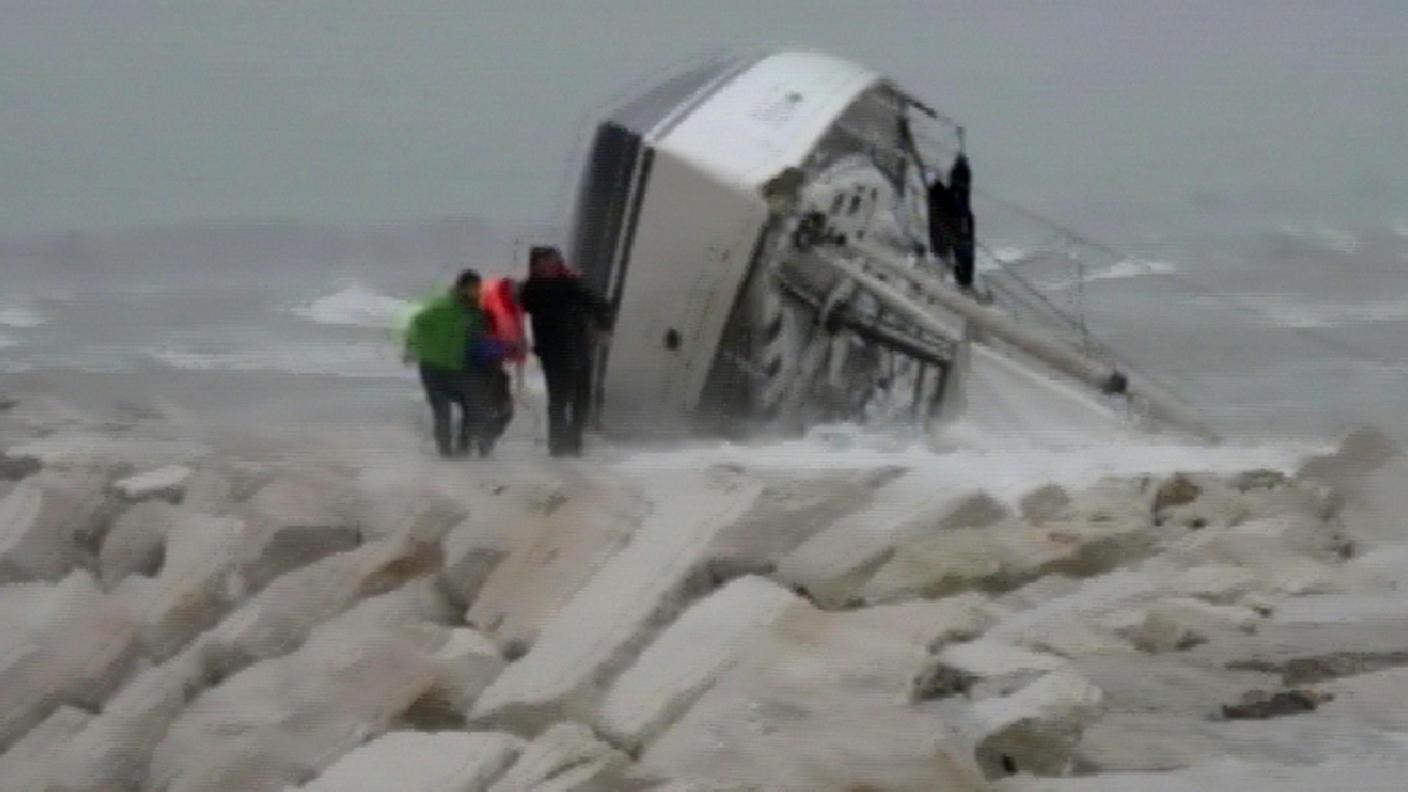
x=178, y=616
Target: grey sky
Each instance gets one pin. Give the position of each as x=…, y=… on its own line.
x=137, y=112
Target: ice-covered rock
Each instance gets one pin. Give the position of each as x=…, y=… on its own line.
x=704, y=642
x=1035, y=730
x=595, y=635
x=63, y=643
x=567, y=757
x=168, y=484
x=49, y=524
x=421, y=762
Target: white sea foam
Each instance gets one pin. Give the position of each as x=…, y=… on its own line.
x=1005, y=466
x=365, y=359
x=20, y=315
x=358, y=306
x=1292, y=311
x=1120, y=270
x=1327, y=236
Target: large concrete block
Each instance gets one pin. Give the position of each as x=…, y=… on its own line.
x=29, y=762
x=704, y=642
x=200, y=580
x=136, y=543
x=567, y=757
x=167, y=483
x=554, y=539
x=49, y=524
x=1035, y=730
x=279, y=619
x=284, y=720
x=74, y=646
x=835, y=563
x=598, y=633
x=821, y=704
x=1004, y=557
x=419, y=762
x=114, y=749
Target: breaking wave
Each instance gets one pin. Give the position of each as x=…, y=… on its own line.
x=358, y=306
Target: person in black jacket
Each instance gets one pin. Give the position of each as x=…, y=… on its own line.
x=567, y=320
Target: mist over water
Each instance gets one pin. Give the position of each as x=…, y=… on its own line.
x=190, y=191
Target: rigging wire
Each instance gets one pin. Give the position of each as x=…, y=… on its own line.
x=1200, y=289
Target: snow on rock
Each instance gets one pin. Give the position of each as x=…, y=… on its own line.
x=284, y=720
x=467, y=664
x=24, y=766
x=136, y=543
x=420, y=762
x=554, y=540
x=700, y=645
x=567, y=757
x=49, y=524
x=168, y=484
x=1035, y=730
x=63, y=643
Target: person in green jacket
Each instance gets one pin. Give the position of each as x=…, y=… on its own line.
x=447, y=338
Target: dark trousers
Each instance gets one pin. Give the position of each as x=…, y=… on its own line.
x=963, y=262
x=569, y=401
x=500, y=393
x=444, y=388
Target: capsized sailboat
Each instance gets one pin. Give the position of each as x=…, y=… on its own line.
x=761, y=228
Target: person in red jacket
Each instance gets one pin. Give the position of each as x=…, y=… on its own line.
x=504, y=317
